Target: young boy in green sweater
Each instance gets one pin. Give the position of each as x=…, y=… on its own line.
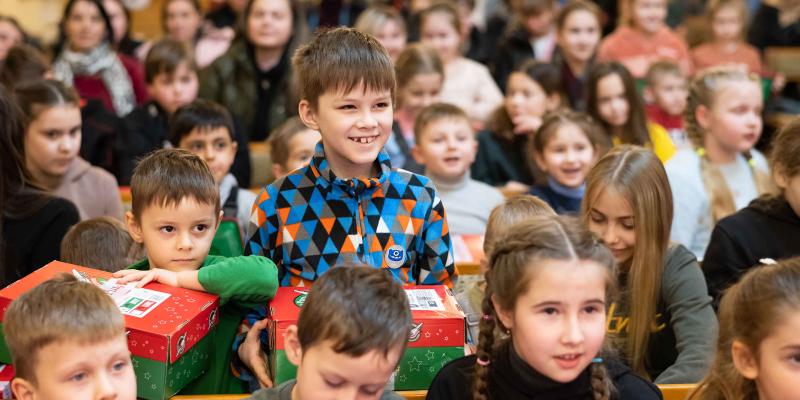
x=175, y=213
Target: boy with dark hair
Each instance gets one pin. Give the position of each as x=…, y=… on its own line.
x=205, y=128
x=175, y=213
x=172, y=82
x=666, y=92
x=67, y=341
x=349, y=337
x=101, y=243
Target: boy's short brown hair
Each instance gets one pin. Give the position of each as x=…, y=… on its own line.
x=167, y=176
x=165, y=57
x=100, y=243
x=358, y=308
x=436, y=112
x=58, y=310
x=279, y=139
x=341, y=59
x=661, y=68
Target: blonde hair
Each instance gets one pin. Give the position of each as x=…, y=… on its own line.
x=58, y=310
x=702, y=92
x=513, y=210
x=749, y=312
x=714, y=6
x=520, y=250
x=416, y=59
x=637, y=175
x=376, y=16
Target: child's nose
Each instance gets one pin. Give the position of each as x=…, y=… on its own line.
x=572, y=334
x=367, y=120
x=185, y=241
x=104, y=388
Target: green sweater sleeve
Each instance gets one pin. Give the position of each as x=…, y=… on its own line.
x=693, y=321
x=247, y=280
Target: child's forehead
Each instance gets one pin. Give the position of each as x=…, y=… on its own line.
x=208, y=132
x=345, y=90
x=187, y=208
x=447, y=124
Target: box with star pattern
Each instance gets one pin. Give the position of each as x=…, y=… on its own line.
x=436, y=337
x=170, y=330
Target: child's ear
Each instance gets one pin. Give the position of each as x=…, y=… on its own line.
x=234, y=146
x=291, y=342
x=417, y=154
x=703, y=117
x=505, y=316
x=744, y=360
x=133, y=227
x=22, y=389
x=539, y=160
x=219, y=219
x=307, y=115
x=648, y=95
x=277, y=170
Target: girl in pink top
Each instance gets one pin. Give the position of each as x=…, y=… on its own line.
x=643, y=38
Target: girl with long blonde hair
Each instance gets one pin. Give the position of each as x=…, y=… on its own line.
x=663, y=324
x=723, y=172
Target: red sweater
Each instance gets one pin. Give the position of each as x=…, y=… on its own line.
x=636, y=50
x=93, y=87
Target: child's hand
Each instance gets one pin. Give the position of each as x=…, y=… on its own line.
x=144, y=277
x=251, y=355
x=526, y=124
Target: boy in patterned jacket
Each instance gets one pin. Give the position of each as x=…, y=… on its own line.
x=348, y=206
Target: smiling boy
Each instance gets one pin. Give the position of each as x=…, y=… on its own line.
x=349, y=205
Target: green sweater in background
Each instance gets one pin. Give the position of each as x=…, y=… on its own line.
x=241, y=283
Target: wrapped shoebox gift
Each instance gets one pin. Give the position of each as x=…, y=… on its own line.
x=436, y=338
x=170, y=330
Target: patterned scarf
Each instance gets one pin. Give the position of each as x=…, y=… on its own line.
x=100, y=60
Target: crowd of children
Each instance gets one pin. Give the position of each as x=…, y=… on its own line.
x=617, y=183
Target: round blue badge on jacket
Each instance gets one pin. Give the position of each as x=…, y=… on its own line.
x=395, y=256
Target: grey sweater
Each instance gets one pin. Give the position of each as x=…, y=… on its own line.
x=681, y=347
x=284, y=392
x=467, y=203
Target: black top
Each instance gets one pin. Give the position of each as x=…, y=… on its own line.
x=267, y=87
x=222, y=17
x=35, y=240
x=512, y=52
x=767, y=228
x=512, y=378
x=146, y=128
x=99, y=133
x=499, y=161
x=561, y=203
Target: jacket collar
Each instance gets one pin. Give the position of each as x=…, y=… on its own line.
x=327, y=179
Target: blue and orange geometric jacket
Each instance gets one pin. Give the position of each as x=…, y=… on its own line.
x=311, y=220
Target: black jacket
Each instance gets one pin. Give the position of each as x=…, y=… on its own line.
x=499, y=161
x=767, y=228
x=146, y=129
x=512, y=51
x=510, y=378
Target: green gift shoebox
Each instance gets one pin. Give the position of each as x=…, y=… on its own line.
x=170, y=330
x=436, y=338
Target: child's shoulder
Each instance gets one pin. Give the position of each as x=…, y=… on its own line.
x=683, y=160
x=490, y=194
x=402, y=180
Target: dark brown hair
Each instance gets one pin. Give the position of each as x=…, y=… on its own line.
x=36, y=96
x=436, y=112
x=340, y=59
x=165, y=57
x=200, y=114
x=785, y=154
x=521, y=249
x=101, y=243
x=279, y=139
x=416, y=59
x=62, y=34
x=23, y=63
x=167, y=176
x=545, y=75
x=750, y=311
x=59, y=309
x=165, y=6
x=578, y=5
x=635, y=129
x=358, y=308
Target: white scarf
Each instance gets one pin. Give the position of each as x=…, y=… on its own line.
x=100, y=60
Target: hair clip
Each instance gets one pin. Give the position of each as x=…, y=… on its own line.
x=483, y=362
x=597, y=360
x=487, y=317
x=701, y=151
x=751, y=161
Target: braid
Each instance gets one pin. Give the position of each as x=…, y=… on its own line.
x=601, y=382
x=480, y=388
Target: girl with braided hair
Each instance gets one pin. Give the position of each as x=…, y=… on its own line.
x=543, y=326
x=663, y=324
x=723, y=172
